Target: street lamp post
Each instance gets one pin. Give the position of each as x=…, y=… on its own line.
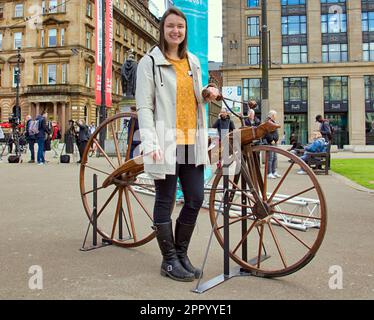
x=17, y=113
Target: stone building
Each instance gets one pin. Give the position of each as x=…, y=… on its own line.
x=57, y=41
x=321, y=62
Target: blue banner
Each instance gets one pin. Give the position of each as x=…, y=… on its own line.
x=196, y=12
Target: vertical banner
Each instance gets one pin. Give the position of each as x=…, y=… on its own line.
x=196, y=12
x=99, y=49
x=108, y=51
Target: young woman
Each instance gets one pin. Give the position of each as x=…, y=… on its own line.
x=172, y=121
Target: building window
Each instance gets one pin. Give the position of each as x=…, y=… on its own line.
x=88, y=76
x=1, y=11
x=294, y=54
x=369, y=88
x=52, y=6
x=253, y=55
x=118, y=53
x=63, y=6
x=369, y=107
x=0, y=87
x=132, y=39
x=15, y=75
x=52, y=74
x=125, y=8
x=117, y=86
x=368, y=21
x=253, y=26
x=253, y=3
x=132, y=14
x=117, y=4
x=335, y=52
x=252, y=90
x=292, y=2
x=40, y=74
x=52, y=37
x=42, y=38
x=1, y=41
x=17, y=40
x=64, y=73
x=293, y=25
x=88, y=39
x=62, y=37
x=368, y=51
x=295, y=89
x=334, y=23
x=335, y=88
x=18, y=10
x=89, y=9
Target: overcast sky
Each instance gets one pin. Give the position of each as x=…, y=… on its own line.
x=214, y=30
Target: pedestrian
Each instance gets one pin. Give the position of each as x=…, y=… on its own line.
x=223, y=124
x=42, y=136
x=91, y=128
x=170, y=98
x=283, y=140
x=30, y=138
x=56, y=136
x=252, y=120
x=325, y=128
x=83, y=137
x=272, y=138
x=2, y=137
x=48, y=139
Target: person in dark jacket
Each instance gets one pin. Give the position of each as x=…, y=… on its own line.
x=324, y=128
x=224, y=124
x=272, y=139
x=41, y=136
x=83, y=137
x=30, y=138
x=252, y=120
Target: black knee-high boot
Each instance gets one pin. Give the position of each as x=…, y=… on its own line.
x=171, y=266
x=183, y=233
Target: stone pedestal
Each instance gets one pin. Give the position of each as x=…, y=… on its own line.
x=126, y=104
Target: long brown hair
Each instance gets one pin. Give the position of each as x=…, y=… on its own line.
x=163, y=45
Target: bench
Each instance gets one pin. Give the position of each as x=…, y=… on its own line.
x=319, y=162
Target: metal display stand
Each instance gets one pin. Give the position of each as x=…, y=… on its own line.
x=105, y=242
x=227, y=273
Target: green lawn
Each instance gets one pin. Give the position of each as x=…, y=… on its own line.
x=360, y=171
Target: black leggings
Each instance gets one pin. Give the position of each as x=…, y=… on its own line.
x=192, y=182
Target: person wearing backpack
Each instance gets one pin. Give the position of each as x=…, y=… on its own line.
x=30, y=138
x=325, y=128
x=41, y=136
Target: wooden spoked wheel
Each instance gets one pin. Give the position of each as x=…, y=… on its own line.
x=277, y=227
x=125, y=195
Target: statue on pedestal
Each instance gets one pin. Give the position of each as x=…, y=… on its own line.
x=128, y=76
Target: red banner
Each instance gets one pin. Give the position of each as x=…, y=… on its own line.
x=108, y=51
